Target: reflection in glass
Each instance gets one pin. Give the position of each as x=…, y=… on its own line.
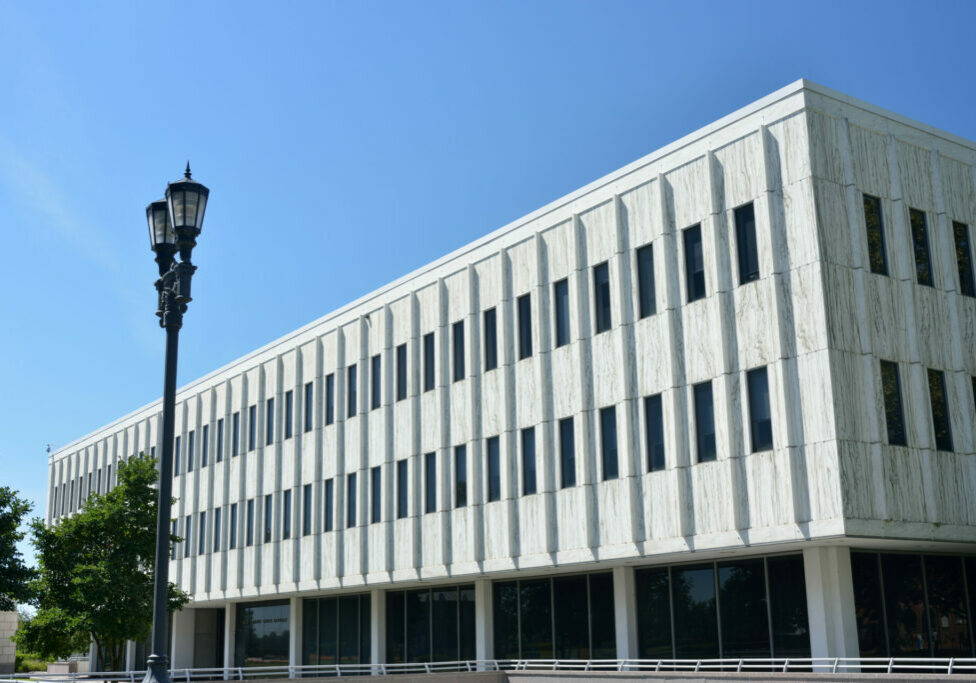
x=742, y=597
x=418, y=625
x=947, y=606
x=445, y=625
x=653, y=614
x=396, y=631
x=875, y=234
x=905, y=605
x=535, y=610
x=788, y=606
x=336, y=630
x=603, y=629
x=505, y=616
x=867, y=605
x=572, y=626
x=430, y=624
x=696, y=630
x=261, y=634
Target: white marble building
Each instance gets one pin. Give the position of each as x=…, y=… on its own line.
x=777, y=394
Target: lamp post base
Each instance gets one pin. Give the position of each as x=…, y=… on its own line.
x=157, y=670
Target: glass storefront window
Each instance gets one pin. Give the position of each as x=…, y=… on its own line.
x=695, y=627
x=947, y=606
x=653, y=613
x=261, y=634
x=788, y=606
x=336, y=630
x=905, y=605
x=742, y=596
x=430, y=625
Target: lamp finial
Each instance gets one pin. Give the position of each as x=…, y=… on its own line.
x=186, y=173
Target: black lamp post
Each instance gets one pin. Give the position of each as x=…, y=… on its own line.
x=174, y=224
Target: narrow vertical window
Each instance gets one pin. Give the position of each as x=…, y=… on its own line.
x=376, y=372
x=252, y=427
x=528, y=461
x=189, y=450
x=401, y=372
x=249, y=523
x=268, y=516
x=306, y=509
x=567, y=453
x=286, y=514
x=457, y=334
x=525, y=325
x=351, y=500
x=491, y=340
x=172, y=545
x=309, y=405
x=608, y=442
x=330, y=398
x=232, y=543
x=940, y=410
x=204, y=446
x=351, y=391
x=329, y=504
x=645, y=281
x=376, y=495
x=494, y=457
x=745, y=238
x=694, y=263
x=874, y=224
x=269, y=422
x=430, y=479
x=894, y=414
x=460, y=476
x=760, y=416
x=176, y=457
x=216, y=529
x=219, y=442
x=187, y=529
x=964, y=258
x=202, y=536
x=704, y=422
x=560, y=292
x=429, y=361
x=236, y=436
x=654, y=434
x=402, y=484
x=289, y=413
x=601, y=296
x=920, y=245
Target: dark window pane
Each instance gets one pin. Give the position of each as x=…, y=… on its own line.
x=467, y=622
x=947, y=606
x=505, y=596
x=445, y=624
x=788, y=606
x=920, y=245
x=528, y=461
x=190, y=453
x=252, y=427
x=418, y=625
x=268, y=516
x=329, y=505
x=742, y=605
x=306, y=509
x=694, y=263
x=351, y=500
x=603, y=628
x=654, y=424
x=874, y=223
x=204, y=448
x=535, y=611
x=202, y=535
x=493, y=454
x=269, y=422
x=940, y=410
x=349, y=629
x=219, y=445
x=608, y=442
x=289, y=413
x=261, y=634
x=745, y=237
x=376, y=495
x=237, y=433
x=901, y=577
x=571, y=617
x=525, y=325
x=233, y=526
x=601, y=296
x=329, y=631
x=310, y=632
x=891, y=389
x=249, y=529
x=647, y=304
x=491, y=340
x=653, y=614
x=430, y=477
x=396, y=644
x=695, y=625
x=364, y=628
x=176, y=464
x=286, y=514
x=704, y=422
x=460, y=476
x=567, y=453
x=402, y=483
x=376, y=372
x=217, y=529
x=964, y=258
x=561, y=307
x=457, y=334
x=429, y=377
x=351, y=391
x=401, y=370
x=309, y=405
x=329, y=399
x=760, y=417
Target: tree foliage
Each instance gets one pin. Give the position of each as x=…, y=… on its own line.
x=14, y=574
x=95, y=573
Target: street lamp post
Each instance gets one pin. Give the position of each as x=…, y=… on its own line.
x=174, y=224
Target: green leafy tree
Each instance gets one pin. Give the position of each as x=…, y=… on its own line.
x=14, y=574
x=95, y=572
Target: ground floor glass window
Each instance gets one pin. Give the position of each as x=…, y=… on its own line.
x=261, y=634
x=336, y=630
x=430, y=624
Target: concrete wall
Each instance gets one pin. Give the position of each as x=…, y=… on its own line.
x=8, y=626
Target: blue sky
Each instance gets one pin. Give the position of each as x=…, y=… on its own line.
x=346, y=144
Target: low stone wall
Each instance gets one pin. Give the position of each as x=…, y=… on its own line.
x=8, y=626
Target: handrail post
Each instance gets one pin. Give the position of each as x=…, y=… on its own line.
x=786, y=665
x=952, y=661
x=739, y=668
x=836, y=662
x=891, y=664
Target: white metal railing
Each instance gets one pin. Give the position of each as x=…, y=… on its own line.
x=869, y=665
